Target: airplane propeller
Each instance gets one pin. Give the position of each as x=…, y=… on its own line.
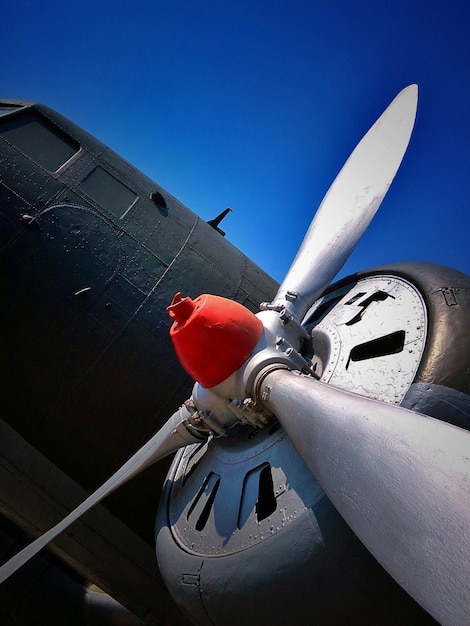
x=400, y=479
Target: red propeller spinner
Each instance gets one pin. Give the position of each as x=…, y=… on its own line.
x=212, y=336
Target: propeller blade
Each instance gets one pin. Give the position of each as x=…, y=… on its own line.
x=172, y=436
x=400, y=479
x=349, y=205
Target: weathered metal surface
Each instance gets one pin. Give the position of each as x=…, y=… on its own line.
x=372, y=337
x=91, y=253
x=245, y=533
x=232, y=501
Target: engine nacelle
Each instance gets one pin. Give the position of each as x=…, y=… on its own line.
x=245, y=533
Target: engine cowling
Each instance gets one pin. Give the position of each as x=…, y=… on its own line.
x=244, y=532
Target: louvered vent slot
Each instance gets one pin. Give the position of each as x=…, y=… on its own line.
x=383, y=346
x=266, y=504
x=257, y=495
x=201, y=508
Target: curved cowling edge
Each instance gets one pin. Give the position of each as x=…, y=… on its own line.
x=441, y=387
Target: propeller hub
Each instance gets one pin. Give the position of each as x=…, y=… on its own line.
x=212, y=336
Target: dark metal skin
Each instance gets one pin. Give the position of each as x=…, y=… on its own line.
x=91, y=254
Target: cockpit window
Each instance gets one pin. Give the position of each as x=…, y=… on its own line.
x=109, y=191
x=42, y=142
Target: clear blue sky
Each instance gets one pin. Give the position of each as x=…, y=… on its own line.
x=256, y=105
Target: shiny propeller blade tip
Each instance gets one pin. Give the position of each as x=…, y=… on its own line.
x=349, y=205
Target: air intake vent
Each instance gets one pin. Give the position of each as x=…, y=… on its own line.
x=383, y=346
x=201, y=508
x=257, y=495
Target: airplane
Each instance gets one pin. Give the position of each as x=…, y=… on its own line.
x=322, y=464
